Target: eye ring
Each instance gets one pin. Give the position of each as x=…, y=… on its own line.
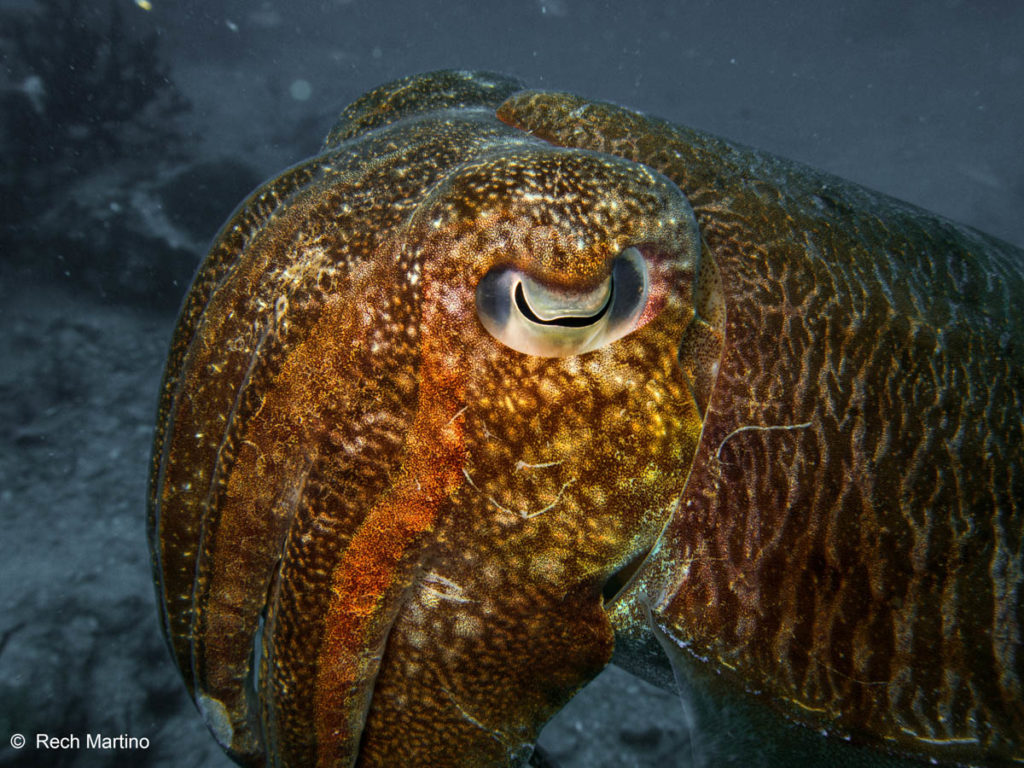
x=535, y=319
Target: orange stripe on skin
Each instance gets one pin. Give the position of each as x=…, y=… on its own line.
x=377, y=568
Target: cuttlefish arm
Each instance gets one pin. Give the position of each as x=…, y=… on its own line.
x=430, y=393
x=848, y=551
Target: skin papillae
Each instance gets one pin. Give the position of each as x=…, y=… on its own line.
x=382, y=537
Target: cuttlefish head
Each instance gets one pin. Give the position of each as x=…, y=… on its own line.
x=572, y=325
x=564, y=288
x=420, y=421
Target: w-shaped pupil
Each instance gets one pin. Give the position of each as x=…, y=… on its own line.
x=565, y=322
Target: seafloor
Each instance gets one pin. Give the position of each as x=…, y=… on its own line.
x=103, y=221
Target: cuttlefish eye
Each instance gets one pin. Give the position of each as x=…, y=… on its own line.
x=536, y=319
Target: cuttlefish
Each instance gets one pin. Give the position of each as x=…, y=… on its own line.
x=505, y=382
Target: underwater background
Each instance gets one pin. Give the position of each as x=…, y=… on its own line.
x=129, y=130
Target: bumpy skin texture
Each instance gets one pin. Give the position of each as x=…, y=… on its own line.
x=403, y=523
x=850, y=545
x=380, y=537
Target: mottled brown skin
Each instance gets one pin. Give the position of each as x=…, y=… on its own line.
x=413, y=524
x=410, y=522
x=859, y=565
